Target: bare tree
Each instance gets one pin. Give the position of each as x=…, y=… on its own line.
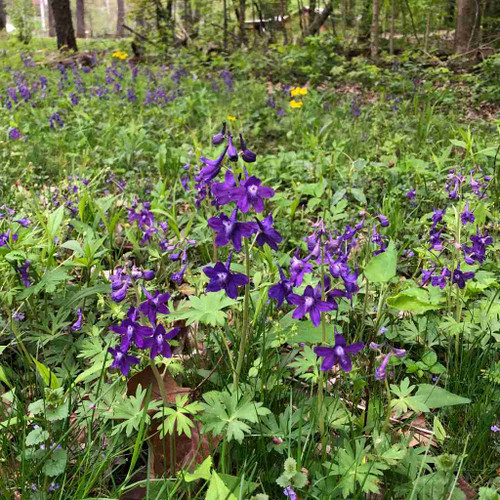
x=50, y=17
x=63, y=24
x=320, y=19
x=374, y=46
x=467, y=34
x=120, y=18
x=80, y=18
x=241, y=13
x=393, y=22
x=3, y=15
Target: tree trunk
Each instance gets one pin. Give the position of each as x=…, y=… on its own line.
x=63, y=24
x=3, y=15
x=320, y=19
x=225, y=25
x=283, y=21
x=80, y=18
x=50, y=18
x=427, y=30
x=120, y=18
x=312, y=13
x=242, y=8
x=468, y=25
x=393, y=22
x=374, y=46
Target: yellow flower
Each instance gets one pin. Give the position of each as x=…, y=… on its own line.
x=120, y=55
x=298, y=91
x=231, y=118
x=296, y=104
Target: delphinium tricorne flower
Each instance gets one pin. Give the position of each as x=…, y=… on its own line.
x=444, y=244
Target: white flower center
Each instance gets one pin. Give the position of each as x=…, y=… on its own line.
x=222, y=276
x=253, y=189
x=309, y=302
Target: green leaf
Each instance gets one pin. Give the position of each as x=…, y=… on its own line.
x=73, y=245
x=337, y=196
x=37, y=436
x=207, y=309
x=414, y=300
x=54, y=221
x=48, y=377
x=239, y=487
x=48, y=282
x=382, y=267
x=56, y=464
x=217, y=490
x=359, y=195
x=437, y=397
x=201, y=472
x=439, y=431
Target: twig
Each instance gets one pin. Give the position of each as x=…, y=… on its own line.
x=142, y=37
x=219, y=361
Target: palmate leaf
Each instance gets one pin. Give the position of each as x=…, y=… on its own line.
x=354, y=469
x=179, y=417
x=132, y=412
x=225, y=413
x=207, y=309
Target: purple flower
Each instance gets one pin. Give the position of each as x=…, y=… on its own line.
x=55, y=119
x=309, y=303
x=298, y=268
x=119, y=288
x=290, y=493
x=380, y=371
x=158, y=340
x=179, y=277
x=24, y=222
x=229, y=229
x=232, y=152
x=410, y=194
x=77, y=325
x=148, y=275
x=267, y=234
x=219, y=138
x=251, y=193
x=24, y=273
x=338, y=354
x=351, y=283
x=212, y=168
x=131, y=332
x=222, y=191
x=384, y=221
x=437, y=216
x=14, y=133
x=154, y=305
x=460, y=277
x=246, y=154
x=221, y=278
x=122, y=360
x=440, y=279
x=427, y=276
x=495, y=428
x=467, y=215
x=282, y=290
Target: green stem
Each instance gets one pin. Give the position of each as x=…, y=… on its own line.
x=321, y=419
x=161, y=386
x=245, y=334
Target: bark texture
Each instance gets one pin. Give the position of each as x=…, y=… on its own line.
x=80, y=18
x=467, y=34
x=63, y=24
x=3, y=15
x=120, y=18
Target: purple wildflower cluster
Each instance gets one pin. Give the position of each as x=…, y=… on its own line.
x=246, y=194
x=380, y=371
x=123, y=278
x=153, y=336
